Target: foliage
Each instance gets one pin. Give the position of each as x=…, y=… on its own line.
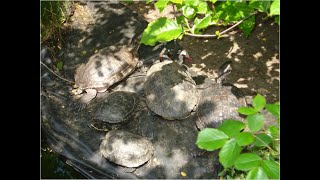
x=194, y=16
x=247, y=149
x=53, y=14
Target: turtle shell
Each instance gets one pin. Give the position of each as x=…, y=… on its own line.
x=105, y=68
x=126, y=149
x=170, y=91
x=117, y=107
x=217, y=103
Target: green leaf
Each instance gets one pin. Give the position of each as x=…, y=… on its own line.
x=218, y=34
x=231, y=127
x=180, y=19
x=247, y=161
x=231, y=11
x=227, y=12
x=177, y=1
x=161, y=4
x=255, y=122
x=59, y=65
x=277, y=19
x=211, y=139
x=274, y=131
x=193, y=3
x=213, y=1
x=201, y=23
x=259, y=102
x=262, y=6
x=245, y=138
x=273, y=109
x=247, y=110
x=202, y=8
x=271, y=168
x=188, y=11
x=161, y=30
x=275, y=8
x=257, y=173
x=262, y=140
x=148, y=1
x=229, y=153
x=247, y=26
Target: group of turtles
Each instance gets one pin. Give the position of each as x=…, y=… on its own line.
x=169, y=91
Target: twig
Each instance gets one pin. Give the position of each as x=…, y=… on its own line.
x=174, y=12
x=55, y=73
x=223, y=32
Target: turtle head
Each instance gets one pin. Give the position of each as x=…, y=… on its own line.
x=224, y=70
x=184, y=55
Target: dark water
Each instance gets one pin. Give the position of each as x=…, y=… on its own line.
x=54, y=166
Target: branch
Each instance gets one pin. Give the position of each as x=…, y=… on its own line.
x=55, y=73
x=223, y=32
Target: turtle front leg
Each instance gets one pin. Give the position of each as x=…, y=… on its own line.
x=86, y=98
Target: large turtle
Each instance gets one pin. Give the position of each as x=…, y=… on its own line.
x=126, y=149
x=219, y=101
x=106, y=67
x=169, y=89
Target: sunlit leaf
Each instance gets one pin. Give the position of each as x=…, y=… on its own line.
x=257, y=173
x=259, y=102
x=262, y=140
x=229, y=153
x=274, y=131
x=177, y=1
x=274, y=109
x=161, y=30
x=161, y=4
x=193, y=3
x=245, y=138
x=211, y=139
x=188, y=11
x=247, y=110
x=262, y=6
x=275, y=8
x=201, y=23
x=202, y=8
x=231, y=11
x=271, y=168
x=231, y=127
x=255, y=122
x=247, y=161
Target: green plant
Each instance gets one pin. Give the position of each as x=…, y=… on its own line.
x=198, y=15
x=53, y=14
x=247, y=149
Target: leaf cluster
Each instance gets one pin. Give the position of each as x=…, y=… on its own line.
x=246, y=148
x=197, y=15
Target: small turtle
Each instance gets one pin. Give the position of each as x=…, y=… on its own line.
x=169, y=89
x=126, y=149
x=103, y=69
x=219, y=101
x=110, y=112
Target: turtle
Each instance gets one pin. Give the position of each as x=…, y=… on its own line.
x=169, y=89
x=108, y=66
x=126, y=149
x=118, y=107
x=219, y=101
